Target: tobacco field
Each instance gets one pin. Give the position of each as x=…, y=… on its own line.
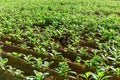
x=59, y=39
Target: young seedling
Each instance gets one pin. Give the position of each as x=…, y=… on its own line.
x=28, y=58
x=100, y=75
x=17, y=55
x=3, y=63
x=63, y=69
x=38, y=76
x=19, y=73
x=86, y=76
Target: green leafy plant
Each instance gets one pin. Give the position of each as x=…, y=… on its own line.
x=117, y=71
x=38, y=76
x=63, y=69
x=28, y=58
x=17, y=55
x=86, y=76
x=39, y=63
x=3, y=62
x=78, y=59
x=19, y=73
x=100, y=75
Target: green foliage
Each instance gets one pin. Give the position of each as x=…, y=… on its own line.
x=92, y=28
x=38, y=76
x=3, y=62
x=63, y=69
x=100, y=76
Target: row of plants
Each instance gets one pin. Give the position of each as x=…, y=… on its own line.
x=93, y=62
x=76, y=39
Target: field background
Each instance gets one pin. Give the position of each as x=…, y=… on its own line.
x=59, y=39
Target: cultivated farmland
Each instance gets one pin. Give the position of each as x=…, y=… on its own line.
x=59, y=40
